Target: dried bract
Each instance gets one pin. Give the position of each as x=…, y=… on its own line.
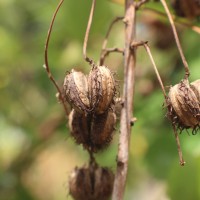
x=91, y=183
x=102, y=88
x=76, y=91
x=183, y=106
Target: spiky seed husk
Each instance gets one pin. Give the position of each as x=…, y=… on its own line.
x=79, y=128
x=102, y=129
x=93, y=132
x=102, y=89
x=184, y=107
x=91, y=183
x=76, y=91
x=195, y=86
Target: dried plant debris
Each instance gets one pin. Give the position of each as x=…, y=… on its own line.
x=102, y=89
x=76, y=91
x=94, y=132
x=91, y=183
x=187, y=8
x=184, y=105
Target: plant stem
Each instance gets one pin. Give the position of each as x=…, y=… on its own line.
x=126, y=112
x=187, y=73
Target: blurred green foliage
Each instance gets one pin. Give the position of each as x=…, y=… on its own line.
x=36, y=152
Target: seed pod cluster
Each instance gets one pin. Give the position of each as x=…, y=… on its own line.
x=94, y=132
x=184, y=105
x=91, y=183
x=91, y=120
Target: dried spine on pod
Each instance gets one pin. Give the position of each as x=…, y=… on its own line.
x=184, y=106
x=76, y=91
x=102, y=89
x=91, y=183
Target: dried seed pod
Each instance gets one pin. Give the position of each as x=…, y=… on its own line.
x=79, y=128
x=102, y=88
x=184, y=107
x=76, y=91
x=195, y=86
x=93, y=132
x=102, y=128
x=91, y=183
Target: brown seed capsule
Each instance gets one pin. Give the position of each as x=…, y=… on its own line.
x=79, y=128
x=195, y=86
x=91, y=183
x=76, y=91
x=93, y=132
x=184, y=107
x=101, y=88
x=102, y=129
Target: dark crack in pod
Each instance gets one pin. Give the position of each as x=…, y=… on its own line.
x=102, y=89
x=91, y=183
x=183, y=106
x=75, y=88
x=102, y=128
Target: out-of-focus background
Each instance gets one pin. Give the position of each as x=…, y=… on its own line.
x=37, y=153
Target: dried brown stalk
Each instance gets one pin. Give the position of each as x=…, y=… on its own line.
x=126, y=112
x=103, y=53
x=46, y=65
x=187, y=72
x=176, y=20
x=90, y=61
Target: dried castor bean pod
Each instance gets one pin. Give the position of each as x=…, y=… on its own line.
x=195, y=86
x=93, y=132
x=79, y=128
x=91, y=183
x=102, y=128
x=184, y=107
x=76, y=91
x=102, y=88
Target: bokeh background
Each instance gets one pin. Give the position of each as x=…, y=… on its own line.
x=37, y=153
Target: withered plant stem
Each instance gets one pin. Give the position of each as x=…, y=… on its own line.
x=176, y=20
x=87, y=34
x=155, y=69
x=187, y=72
x=126, y=112
x=117, y=19
x=46, y=66
x=181, y=160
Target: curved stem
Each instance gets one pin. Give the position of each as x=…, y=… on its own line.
x=187, y=73
x=87, y=59
x=46, y=65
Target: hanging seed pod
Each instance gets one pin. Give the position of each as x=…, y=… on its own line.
x=195, y=86
x=102, y=128
x=79, y=127
x=93, y=132
x=91, y=183
x=184, y=106
x=102, y=88
x=76, y=91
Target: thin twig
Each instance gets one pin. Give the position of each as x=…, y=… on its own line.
x=46, y=65
x=194, y=28
x=187, y=72
x=90, y=61
x=127, y=109
x=140, y=3
x=107, y=51
x=181, y=160
x=107, y=35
